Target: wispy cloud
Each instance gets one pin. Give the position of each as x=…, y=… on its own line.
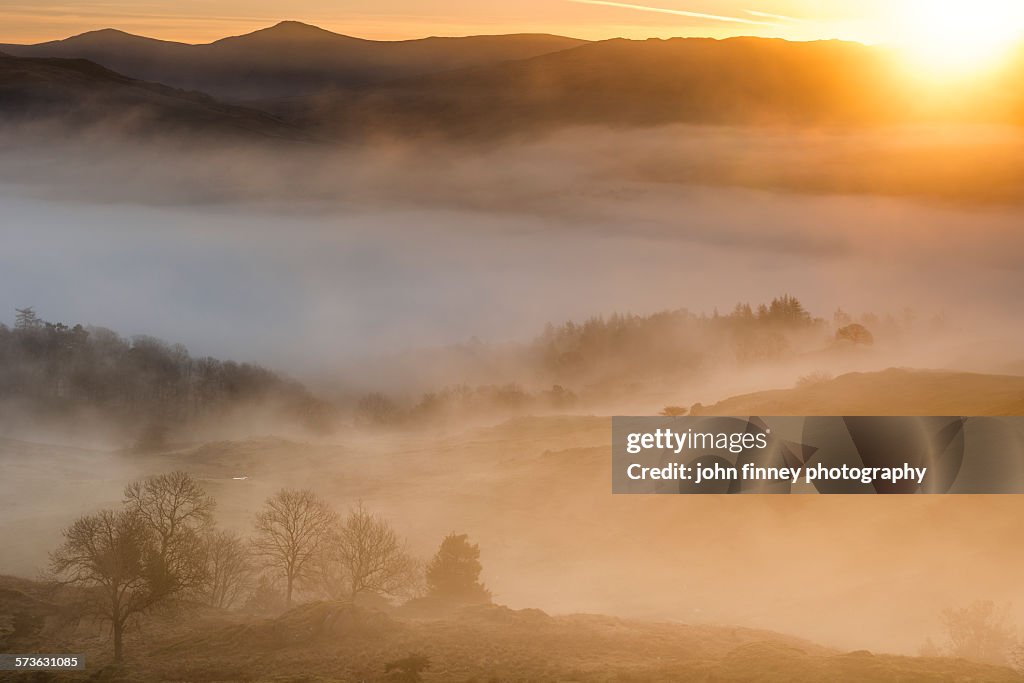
x=678, y=12
x=770, y=15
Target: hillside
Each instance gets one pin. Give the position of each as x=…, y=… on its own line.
x=489, y=86
x=56, y=375
x=288, y=59
x=328, y=641
x=495, y=643
x=81, y=93
x=535, y=493
x=891, y=392
x=645, y=83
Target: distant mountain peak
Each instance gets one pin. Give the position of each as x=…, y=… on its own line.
x=104, y=33
x=292, y=24
x=293, y=30
x=107, y=36
x=109, y=31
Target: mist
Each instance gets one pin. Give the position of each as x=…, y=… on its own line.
x=357, y=268
x=310, y=260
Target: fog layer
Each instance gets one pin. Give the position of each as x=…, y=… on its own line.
x=308, y=261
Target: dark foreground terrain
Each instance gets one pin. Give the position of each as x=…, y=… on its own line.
x=328, y=641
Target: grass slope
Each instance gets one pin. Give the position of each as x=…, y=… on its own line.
x=327, y=641
x=890, y=392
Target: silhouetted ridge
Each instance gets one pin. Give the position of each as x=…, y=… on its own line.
x=107, y=38
x=289, y=59
x=78, y=92
x=288, y=31
x=483, y=86
x=619, y=82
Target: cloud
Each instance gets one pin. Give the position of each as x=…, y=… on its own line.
x=677, y=12
x=770, y=15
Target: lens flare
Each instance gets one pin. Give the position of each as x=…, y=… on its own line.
x=954, y=37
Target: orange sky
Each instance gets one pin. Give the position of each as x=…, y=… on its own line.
x=943, y=38
x=203, y=21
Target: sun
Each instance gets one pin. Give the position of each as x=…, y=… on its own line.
x=958, y=37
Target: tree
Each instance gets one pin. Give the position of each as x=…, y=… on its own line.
x=365, y=555
x=673, y=411
x=26, y=319
x=178, y=511
x=785, y=311
x=55, y=367
x=228, y=567
x=290, y=532
x=454, y=573
x=981, y=632
x=856, y=333
x=111, y=554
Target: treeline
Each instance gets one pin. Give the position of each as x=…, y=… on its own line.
x=143, y=383
x=575, y=362
x=158, y=390
x=672, y=341
x=163, y=548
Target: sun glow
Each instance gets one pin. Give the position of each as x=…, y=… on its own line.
x=958, y=37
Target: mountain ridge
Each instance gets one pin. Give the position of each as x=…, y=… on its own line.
x=291, y=26
x=287, y=59
x=40, y=91
x=485, y=87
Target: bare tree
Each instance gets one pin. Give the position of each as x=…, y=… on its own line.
x=980, y=631
x=290, y=532
x=110, y=554
x=365, y=555
x=229, y=569
x=26, y=319
x=178, y=511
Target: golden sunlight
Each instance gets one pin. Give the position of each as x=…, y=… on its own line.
x=957, y=37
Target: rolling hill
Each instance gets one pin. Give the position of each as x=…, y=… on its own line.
x=81, y=93
x=737, y=81
x=534, y=492
x=288, y=59
x=484, y=87
x=890, y=392
x=331, y=641
x=328, y=641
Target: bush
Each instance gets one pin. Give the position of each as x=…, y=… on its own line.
x=812, y=379
x=408, y=669
x=856, y=333
x=673, y=411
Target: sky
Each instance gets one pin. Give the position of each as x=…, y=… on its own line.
x=26, y=21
